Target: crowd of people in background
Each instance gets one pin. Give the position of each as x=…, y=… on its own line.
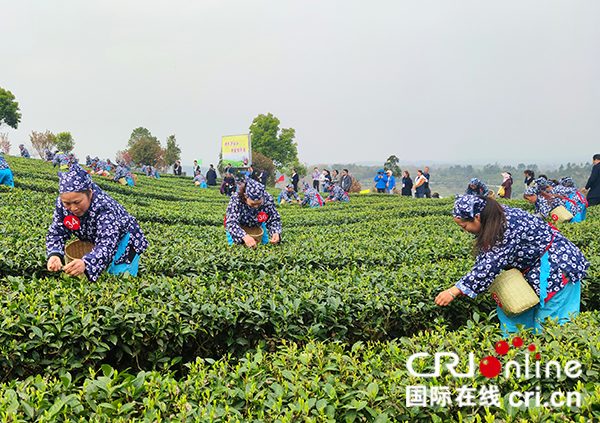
x=546, y=194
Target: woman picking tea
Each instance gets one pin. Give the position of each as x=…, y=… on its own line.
x=84, y=210
x=252, y=206
x=508, y=238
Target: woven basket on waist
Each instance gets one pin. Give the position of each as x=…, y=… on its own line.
x=123, y=181
x=560, y=214
x=512, y=293
x=77, y=249
x=254, y=232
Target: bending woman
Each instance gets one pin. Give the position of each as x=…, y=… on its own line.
x=252, y=206
x=84, y=210
x=507, y=238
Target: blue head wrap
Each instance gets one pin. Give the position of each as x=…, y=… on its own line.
x=543, y=182
x=380, y=171
x=76, y=179
x=468, y=206
x=254, y=190
x=327, y=185
x=474, y=181
x=531, y=191
x=567, y=182
x=290, y=186
x=305, y=186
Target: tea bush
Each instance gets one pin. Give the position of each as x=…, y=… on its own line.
x=209, y=332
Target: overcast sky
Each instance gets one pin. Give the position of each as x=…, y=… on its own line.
x=443, y=81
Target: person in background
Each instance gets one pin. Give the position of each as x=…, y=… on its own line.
x=407, y=184
x=211, y=176
x=152, y=173
x=6, y=175
x=49, y=156
x=61, y=160
x=476, y=187
x=426, y=185
x=420, y=184
x=507, y=185
x=200, y=180
x=24, y=152
x=542, y=208
x=336, y=179
x=110, y=165
x=311, y=197
x=73, y=159
x=529, y=178
x=295, y=179
x=88, y=161
x=263, y=176
x=346, y=181
x=196, y=167
x=336, y=193
x=592, y=187
x=177, y=168
x=121, y=172
x=571, y=198
x=84, y=210
x=380, y=181
x=326, y=177
x=228, y=186
x=315, y=178
x=391, y=182
x=252, y=206
x=288, y=195
x=228, y=168
x=509, y=237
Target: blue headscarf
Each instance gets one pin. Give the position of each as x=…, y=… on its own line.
x=543, y=183
x=290, y=186
x=532, y=191
x=468, y=206
x=474, y=181
x=568, y=182
x=327, y=185
x=305, y=186
x=76, y=179
x=254, y=190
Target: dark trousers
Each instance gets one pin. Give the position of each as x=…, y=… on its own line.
x=380, y=190
x=316, y=184
x=594, y=201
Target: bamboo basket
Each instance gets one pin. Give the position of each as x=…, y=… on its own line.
x=123, y=181
x=77, y=249
x=254, y=232
x=560, y=214
x=512, y=293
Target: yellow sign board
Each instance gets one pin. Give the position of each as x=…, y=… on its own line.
x=236, y=150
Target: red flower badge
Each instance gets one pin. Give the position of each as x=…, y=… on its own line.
x=262, y=217
x=555, y=217
x=72, y=222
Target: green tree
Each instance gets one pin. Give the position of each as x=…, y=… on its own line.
x=172, y=152
x=9, y=110
x=146, y=151
x=65, y=142
x=392, y=164
x=260, y=161
x=269, y=140
x=139, y=134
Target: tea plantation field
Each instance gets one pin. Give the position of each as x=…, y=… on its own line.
x=317, y=329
